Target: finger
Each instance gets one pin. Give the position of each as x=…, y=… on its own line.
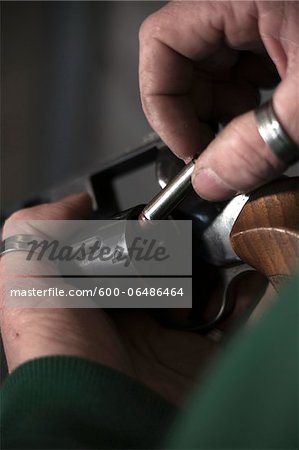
x=238, y=160
x=46, y=221
x=166, y=101
x=172, y=42
x=74, y=206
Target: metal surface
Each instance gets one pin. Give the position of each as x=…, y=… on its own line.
x=18, y=242
x=274, y=135
x=200, y=211
x=212, y=222
x=227, y=304
x=171, y=196
x=215, y=238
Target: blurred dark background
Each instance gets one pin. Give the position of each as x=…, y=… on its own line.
x=70, y=95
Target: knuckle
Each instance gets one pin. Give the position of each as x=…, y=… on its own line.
x=17, y=215
x=251, y=154
x=147, y=27
x=25, y=214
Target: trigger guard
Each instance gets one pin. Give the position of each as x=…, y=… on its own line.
x=227, y=304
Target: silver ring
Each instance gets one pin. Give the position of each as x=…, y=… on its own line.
x=274, y=135
x=18, y=243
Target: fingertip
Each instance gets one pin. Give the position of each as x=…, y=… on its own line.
x=208, y=185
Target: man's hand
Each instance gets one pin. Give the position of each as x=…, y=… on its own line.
x=203, y=62
x=131, y=341
x=30, y=333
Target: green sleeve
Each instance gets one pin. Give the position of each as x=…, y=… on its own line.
x=251, y=398
x=69, y=403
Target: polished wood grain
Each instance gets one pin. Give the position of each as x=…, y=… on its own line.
x=266, y=233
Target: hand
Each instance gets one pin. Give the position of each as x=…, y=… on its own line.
x=204, y=61
x=131, y=341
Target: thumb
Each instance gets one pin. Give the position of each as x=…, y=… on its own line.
x=238, y=160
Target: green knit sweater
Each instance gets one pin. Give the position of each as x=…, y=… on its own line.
x=249, y=400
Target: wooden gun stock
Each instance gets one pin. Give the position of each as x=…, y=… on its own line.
x=266, y=233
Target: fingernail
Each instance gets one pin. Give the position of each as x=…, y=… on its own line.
x=210, y=186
